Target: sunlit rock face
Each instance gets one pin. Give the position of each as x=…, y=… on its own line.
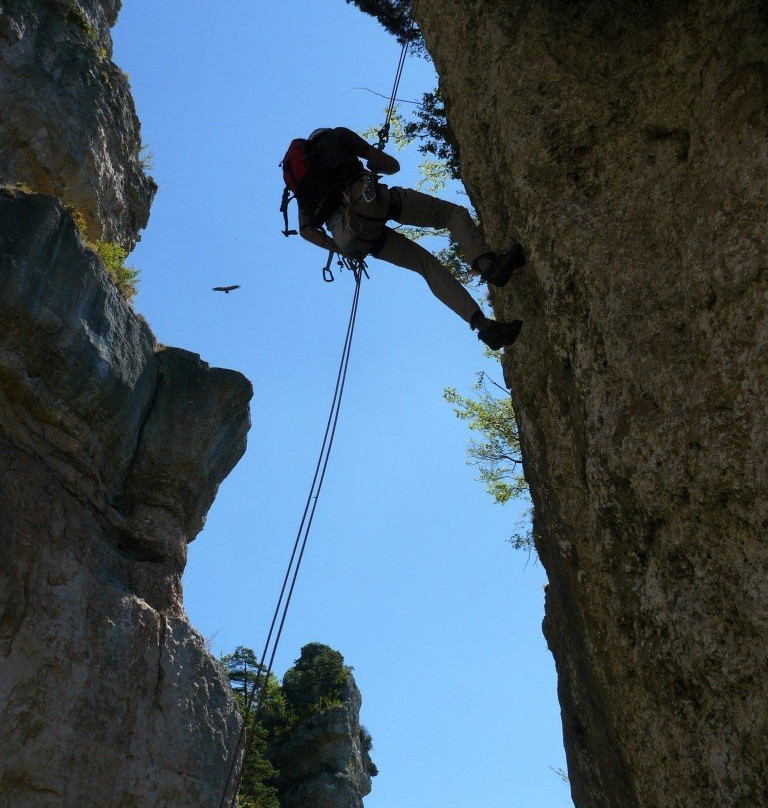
x=322, y=763
x=68, y=125
x=111, y=452
x=626, y=145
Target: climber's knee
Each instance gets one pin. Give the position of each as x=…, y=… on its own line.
x=395, y=204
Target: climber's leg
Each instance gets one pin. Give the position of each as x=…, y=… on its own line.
x=415, y=208
x=402, y=252
x=422, y=210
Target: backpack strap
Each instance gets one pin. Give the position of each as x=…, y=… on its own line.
x=284, y=210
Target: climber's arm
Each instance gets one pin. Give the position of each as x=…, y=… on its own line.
x=315, y=235
x=380, y=162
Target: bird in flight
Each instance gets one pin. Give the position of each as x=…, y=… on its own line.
x=226, y=289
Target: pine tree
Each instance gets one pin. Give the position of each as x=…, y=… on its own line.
x=395, y=16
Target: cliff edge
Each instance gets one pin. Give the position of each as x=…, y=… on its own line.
x=625, y=144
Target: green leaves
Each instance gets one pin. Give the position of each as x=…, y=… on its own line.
x=496, y=452
x=432, y=129
x=113, y=257
x=316, y=680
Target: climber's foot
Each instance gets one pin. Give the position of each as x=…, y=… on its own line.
x=497, y=335
x=503, y=264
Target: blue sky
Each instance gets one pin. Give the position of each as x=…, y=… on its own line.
x=407, y=572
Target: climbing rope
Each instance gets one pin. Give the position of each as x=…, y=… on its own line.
x=259, y=688
x=384, y=131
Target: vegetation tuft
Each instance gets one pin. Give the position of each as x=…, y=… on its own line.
x=395, y=16
x=75, y=15
x=112, y=256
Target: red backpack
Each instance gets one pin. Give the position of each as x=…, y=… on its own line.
x=317, y=187
x=296, y=163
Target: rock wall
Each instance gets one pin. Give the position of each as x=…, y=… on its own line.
x=322, y=762
x=68, y=125
x=625, y=143
x=111, y=452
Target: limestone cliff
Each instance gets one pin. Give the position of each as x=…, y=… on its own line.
x=111, y=451
x=626, y=144
x=68, y=125
x=324, y=762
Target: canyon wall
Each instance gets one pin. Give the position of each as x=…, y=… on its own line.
x=112, y=448
x=111, y=452
x=626, y=145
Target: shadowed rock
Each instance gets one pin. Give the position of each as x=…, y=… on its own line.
x=625, y=144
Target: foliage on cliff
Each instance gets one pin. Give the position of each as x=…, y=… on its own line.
x=395, y=16
x=314, y=684
x=112, y=256
x=497, y=453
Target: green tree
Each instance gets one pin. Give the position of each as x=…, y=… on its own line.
x=395, y=16
x=241, y=667
x=432, y=128
x=490, y=414
x=257, y=787
x=316, y=680
x=497, y=453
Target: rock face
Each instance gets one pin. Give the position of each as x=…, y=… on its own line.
x=111, y=451
x=322, y=762
x=68, y=124
x=626, y=144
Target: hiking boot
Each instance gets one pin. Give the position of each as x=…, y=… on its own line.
x=496, y=335
x=502, y=265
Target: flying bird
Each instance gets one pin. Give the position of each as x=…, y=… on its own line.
x=226, y=289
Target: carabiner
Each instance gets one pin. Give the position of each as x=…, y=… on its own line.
x=327, y=272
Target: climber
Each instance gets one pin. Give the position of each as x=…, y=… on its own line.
x=361, y=208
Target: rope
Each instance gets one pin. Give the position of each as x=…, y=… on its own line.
x=292, y=572
x=384, y=131
x=358, y=268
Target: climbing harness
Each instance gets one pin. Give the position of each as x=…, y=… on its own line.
x=346, y=224
x=358, y=268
